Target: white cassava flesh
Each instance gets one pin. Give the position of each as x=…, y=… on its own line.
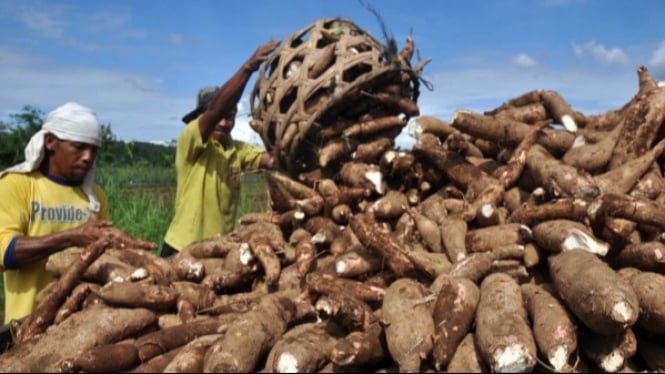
x=581, y=240
x=513, y=359
x=569, y=123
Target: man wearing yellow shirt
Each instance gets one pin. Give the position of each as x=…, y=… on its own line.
x=49, y=203
x=209, y=161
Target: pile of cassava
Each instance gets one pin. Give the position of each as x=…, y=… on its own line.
x=528, y=238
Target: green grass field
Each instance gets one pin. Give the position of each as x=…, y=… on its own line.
x=141, y=201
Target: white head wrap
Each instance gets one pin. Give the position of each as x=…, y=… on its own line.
x=73, y=122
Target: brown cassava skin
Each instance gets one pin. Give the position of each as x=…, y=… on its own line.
x=515, y=165
x=552, y=237
x=371, y=151
x=486, y=238
x=104, y=269
x=573, y=209
x=644, y=116
x=139, y=295
x=609, y=352
x=528, y=113
x=305, y=257
x=347, y=311
x=433, y=208
x=558, y=178
x=345, y=242
x=336, y=150
x=428, y=230
x=553, y=326
x=329, y=284
x=163, y=340
x=429, y=263
x=409, y=325
x=466, y=358
x=591, y=289
x=397, y=164
x=360, y=348
x=188, y=267
x=74, y=301
x=357, y=262
x=525, y=99
x=453, y=238
x=389, y=206
x=238, y=267
x=323, y=227
x=250, y=337
x=533, y=255
x=159, y=268
x=502, y=324
x=633, y=208
x=369, y=235
x=557, y=107
x=354, y=174
x=215, y=246
x=651, y=184
x=157, y=363
x=105, y=358
x=594, y=156
x=264, y=251
x=82, y=330
x=189, y=359
x=509, y=132
x=646, y=256
x=650, y=290
x=474, y=266
x=453, y=313
x=202, y=297
x=304, y=348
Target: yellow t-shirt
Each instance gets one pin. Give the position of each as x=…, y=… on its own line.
x=35, y=205
x=208, y=185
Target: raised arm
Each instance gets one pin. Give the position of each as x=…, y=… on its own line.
x=229, y=94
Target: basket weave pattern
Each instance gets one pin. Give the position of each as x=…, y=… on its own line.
x=322, y=80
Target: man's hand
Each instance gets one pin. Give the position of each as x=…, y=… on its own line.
x=89, y=232
x=261, y=54
x=92, y=230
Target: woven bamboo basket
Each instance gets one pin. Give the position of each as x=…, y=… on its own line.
x=320, y=77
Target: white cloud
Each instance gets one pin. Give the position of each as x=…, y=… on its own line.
x=600, y=52
x=524, y=60
x=657, y=62
x=43, y=23
x=176, y=39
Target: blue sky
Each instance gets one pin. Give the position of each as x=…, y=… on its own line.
x=139, y=63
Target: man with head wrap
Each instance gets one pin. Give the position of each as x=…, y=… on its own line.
x=49, y=203
x=209, y=161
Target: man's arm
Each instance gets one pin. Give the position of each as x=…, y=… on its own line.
x=229, y=94
x=27, y=249
x=266, y=161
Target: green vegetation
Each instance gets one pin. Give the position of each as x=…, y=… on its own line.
x=140, y=199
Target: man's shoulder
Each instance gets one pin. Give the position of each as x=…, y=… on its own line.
x=14, y=177
x=241, y=144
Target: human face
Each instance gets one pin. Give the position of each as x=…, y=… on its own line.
x=68, y=159
x=224, y=127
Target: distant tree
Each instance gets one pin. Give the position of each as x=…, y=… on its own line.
x=16, y=133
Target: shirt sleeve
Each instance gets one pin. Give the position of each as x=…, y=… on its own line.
x=14, y=219
x=190, y=144
x=250, y=156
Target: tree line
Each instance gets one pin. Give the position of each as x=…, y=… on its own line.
x=15, y=134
